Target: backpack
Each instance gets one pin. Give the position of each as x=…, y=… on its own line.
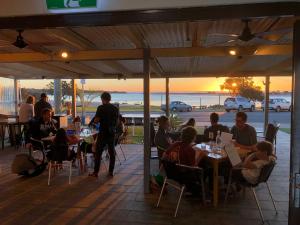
x=26, y=165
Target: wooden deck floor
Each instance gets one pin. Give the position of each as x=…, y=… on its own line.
x=120, y=200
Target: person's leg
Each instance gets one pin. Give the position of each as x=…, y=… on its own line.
x=99, y=149
x=112, y=154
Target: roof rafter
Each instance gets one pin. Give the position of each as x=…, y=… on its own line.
x=133, y=54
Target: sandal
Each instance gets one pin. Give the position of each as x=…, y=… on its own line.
x=93, y=175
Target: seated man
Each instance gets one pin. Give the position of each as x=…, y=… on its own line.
x=243, y=133
x=42, y=127
x=215, y=127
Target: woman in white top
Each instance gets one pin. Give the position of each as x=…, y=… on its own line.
x=253, y=164
x=26, y=112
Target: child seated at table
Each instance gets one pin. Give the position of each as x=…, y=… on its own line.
x=60, y=148
x=252, y=165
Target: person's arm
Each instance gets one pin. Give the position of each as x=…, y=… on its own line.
x=248, y=163
x=253, y=136
x=32, y=111
x=97, y=115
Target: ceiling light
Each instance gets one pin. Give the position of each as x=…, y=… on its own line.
x=20, y=43
x=64, y=55
x=232, y=52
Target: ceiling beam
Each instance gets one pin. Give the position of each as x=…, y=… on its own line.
x=222, y=51
x=112, y=18
x=132, y=54
x=238, y=64
x=284, y=64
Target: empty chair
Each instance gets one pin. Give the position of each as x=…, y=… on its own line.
x=271, y=133
x=179, y=176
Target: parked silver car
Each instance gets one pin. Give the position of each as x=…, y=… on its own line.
x=178, y=106
x=238, y=103
x=278, y=104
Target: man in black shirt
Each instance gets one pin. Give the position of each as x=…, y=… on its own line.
x=214, y=128
x=107, y=115
x=41, y=105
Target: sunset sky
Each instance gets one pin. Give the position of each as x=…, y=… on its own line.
x=158, y=85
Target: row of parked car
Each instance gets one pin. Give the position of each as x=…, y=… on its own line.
x=241, y=104
x=236, y=103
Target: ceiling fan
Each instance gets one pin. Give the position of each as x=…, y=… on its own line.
x=247, y=35
x=20, y=43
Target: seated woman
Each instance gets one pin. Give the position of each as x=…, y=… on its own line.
x=190, y=123
x=60, y=148
x=252, y=165
x=162, y=139
x=183, y=151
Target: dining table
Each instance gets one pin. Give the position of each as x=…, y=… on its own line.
x=215, y=156
x=13, y=126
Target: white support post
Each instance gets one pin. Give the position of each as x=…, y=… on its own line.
x=267, y=99
x=167, y=97
x=16, y=99
x=147, y=145
x=73, y=98
x=57, y=95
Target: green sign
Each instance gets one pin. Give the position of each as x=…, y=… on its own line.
x=71, y=4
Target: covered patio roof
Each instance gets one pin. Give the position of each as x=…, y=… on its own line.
x=178, y=49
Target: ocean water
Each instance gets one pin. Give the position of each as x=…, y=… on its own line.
x=194, y=99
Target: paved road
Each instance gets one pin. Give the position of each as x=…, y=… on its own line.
x=283, y=118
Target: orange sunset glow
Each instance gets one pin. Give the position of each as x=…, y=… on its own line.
x=158, y=85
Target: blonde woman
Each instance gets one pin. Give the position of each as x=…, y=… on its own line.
x=26, y=112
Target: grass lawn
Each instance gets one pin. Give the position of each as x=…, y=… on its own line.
x=138, y=136
x=286, y=130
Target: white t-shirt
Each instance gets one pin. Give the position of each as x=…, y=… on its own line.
x=26, y=112
x=251, y=175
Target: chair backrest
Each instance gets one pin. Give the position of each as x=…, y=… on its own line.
x=171, y=169
x=266, y=172
x=200, y=138
x=152, y=134
x=181, y=173
x=271, y=132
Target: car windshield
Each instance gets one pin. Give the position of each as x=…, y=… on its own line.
x=230, y=99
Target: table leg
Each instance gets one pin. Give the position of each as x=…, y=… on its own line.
x=215, y=183
x=2, y=133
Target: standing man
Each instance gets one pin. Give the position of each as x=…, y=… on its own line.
x=41, y=105
x=243, y=133
x=107, y=114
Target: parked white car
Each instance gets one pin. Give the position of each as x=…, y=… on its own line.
x=278, y=104
x=238, y=103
